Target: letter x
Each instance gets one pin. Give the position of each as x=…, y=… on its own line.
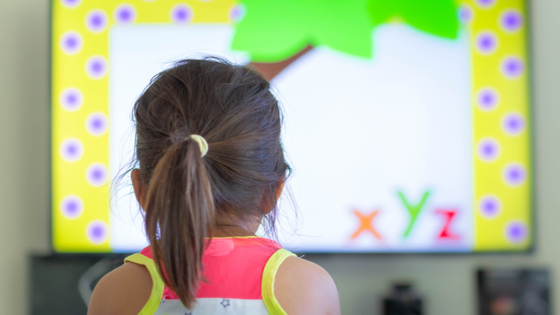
x=366, y=224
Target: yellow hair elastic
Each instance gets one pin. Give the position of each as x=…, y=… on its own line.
x=201, y=143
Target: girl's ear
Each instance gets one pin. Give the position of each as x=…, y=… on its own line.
x=280, y=189
x=278, y=194
x=138, y=188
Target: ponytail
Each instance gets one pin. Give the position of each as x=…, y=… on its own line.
x=186, y=193
x=179, y=216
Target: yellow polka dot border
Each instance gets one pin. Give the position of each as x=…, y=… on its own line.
x=502, y=132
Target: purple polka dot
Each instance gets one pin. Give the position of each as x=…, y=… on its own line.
x=487, y=99
x=490, y=206
x=71, y=206
x=515, y=174
x=71, y=150
x=96, y=124
x=70, y=3
x=513, y=124
x=96, y=21
x=486, y=43
x=516, y=232
x=96, y=174
x=488, y=150
x=96, y=67
x=97, y=232
x=512, y=67
x=181, y=13
x=71, y=99
x=485, y=3
x=237, y=12
x=125, y=13
x=71, y=42
x=465, y=14
x=511, y=20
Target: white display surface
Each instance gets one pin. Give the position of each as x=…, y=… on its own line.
x=356, y=133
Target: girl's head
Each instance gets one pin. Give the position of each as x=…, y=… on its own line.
x=187, y=196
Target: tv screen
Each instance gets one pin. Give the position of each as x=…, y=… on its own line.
x=407, y=123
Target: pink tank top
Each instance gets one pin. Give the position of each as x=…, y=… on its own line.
x=240, y=274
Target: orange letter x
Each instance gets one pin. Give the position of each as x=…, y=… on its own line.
x=366, y=224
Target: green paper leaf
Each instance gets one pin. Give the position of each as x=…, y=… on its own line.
x=273, y=31
x=436, y=17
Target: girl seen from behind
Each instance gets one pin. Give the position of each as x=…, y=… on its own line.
x=211, y=171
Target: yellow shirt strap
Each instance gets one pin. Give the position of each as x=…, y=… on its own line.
x=157, y=283
x=269, y=274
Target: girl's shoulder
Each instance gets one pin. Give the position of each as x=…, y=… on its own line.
x=124, y=290
x=302, y=287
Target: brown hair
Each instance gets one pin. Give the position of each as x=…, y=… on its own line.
x=233, y=109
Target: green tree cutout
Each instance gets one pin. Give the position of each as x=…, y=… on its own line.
x=436, y=17
x=276, y=33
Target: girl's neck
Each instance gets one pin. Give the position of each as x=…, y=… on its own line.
x=231, y=231
x=229, y=227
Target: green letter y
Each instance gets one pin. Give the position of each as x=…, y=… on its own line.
x=414, y=210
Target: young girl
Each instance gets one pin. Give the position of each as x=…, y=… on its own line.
x=211, y=171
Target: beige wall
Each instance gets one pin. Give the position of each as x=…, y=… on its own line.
x=447, y=281
x=24, y=144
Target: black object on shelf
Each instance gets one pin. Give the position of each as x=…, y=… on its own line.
x=62, y=283
x=402, y=300
x=511, y=291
